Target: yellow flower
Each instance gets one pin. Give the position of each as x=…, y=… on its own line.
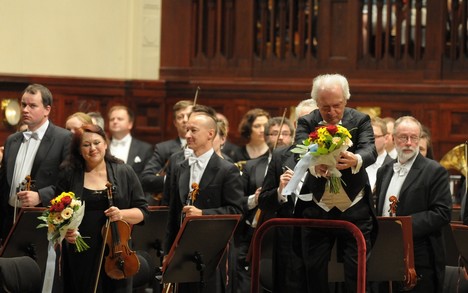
x=66, y=213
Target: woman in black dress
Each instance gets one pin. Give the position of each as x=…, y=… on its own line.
x=88, y=170
x=252, y=129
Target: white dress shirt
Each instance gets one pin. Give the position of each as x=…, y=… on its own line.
x=395, y=186
x=25, y=159
x=121, y=148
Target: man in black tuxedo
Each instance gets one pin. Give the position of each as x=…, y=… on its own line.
x=153, y=176
x=422, y=188
x=220, y=188
x=132, y=151
x=37, y=152
x=353, y=202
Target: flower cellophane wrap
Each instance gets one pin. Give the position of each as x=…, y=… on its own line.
x=323, y=146
x=65, y=212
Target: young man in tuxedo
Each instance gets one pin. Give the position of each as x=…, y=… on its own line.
x=37, y=152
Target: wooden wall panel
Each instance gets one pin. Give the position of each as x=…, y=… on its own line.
x=440, y=106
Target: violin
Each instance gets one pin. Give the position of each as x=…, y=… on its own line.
x=121, y=262
x=393, y=206
x=25, y=185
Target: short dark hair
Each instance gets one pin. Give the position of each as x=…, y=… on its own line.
x=206, y=111
x=46, y=95
x=245, y=126
x=277, y=121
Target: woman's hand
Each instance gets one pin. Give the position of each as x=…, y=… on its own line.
x=114, y=214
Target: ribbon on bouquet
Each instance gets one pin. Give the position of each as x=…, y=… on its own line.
x=299, y=171
x=50, y=269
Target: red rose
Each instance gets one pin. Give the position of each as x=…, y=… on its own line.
x=313, y=135
x=332, y=129
x=59, y=207
x=66, y=200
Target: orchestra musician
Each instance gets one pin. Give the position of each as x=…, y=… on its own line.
x=153, y=176
x=37, y=152
x=220, y=190
x=87, y=172
x=421, y=186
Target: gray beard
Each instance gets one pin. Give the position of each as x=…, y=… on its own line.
x=405, y=157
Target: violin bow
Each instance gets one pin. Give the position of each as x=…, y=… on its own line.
x=281, y=127
x=109, y=197
x=196, y=96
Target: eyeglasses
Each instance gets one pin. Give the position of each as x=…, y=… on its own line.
x=284, y=133
x=405, y=139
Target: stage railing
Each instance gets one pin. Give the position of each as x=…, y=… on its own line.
x=332, y=224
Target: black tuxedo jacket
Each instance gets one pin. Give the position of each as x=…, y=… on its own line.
x=150, y=181
x=143, y=151
x=52, y=150
x=268, y=199
x=253, y=174
x=425, y=196
x=220, y=192
x=360, y=128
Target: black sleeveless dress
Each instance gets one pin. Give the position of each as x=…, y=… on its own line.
x=80, y=268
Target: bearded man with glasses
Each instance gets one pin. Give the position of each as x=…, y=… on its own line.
x=422, y=188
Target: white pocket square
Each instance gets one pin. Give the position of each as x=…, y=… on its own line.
x=137, y=159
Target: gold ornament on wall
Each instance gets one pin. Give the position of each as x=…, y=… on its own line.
x=11, y=112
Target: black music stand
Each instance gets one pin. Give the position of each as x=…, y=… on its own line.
x=25, y=239
x=387, y=259
x=198, y=248
x=150, y=236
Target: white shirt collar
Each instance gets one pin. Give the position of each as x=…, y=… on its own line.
x=124, y=141
x=42, y=130
x=205, y=157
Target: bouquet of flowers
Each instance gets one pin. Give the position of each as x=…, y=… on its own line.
x=323, y=146
x=65, y=212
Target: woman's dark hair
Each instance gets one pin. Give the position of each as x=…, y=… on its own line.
x=245, y=126
x=75, y=159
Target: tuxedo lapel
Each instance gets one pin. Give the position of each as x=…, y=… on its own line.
x=210, y=171
x=46, y=143
x=412, y=176
x=133, y=152
x=387, y=177
x=184, y=181
x=13, y=153
x=260, y=171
